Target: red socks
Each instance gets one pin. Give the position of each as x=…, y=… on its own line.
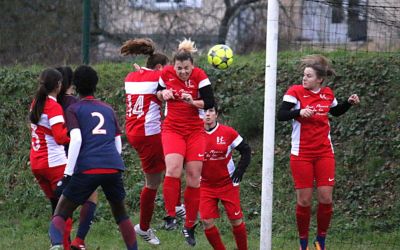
x=324, y=216
x=192, y=201
x=128, y=234
x=303, y=215
x=147, y=198
x=67, y=233
x=240, y=236
x=214, y=238
x=171, y=194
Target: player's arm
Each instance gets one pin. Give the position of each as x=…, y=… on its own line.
x=60, y=133
x=341, y=108
x=118, y=143
x=73, y=153
x=245, y=157
x=285, y=112
x=206, y=101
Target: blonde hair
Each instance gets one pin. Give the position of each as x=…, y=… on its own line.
x=319, y=63
x=187, y=45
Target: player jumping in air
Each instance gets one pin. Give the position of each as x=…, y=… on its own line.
x=312, y=157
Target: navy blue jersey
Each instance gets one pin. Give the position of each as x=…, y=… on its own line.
x=99, y=127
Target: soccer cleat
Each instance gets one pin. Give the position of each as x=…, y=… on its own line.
x=188, y=233
x=318, y=246
x=78, y=244
x=170, y=223
x=181, y=211
x=148, y=235
x=57, y=247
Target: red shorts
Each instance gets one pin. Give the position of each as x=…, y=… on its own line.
x=48, y=178
x=150, y=151
x=307, y=169
x=191, y=146
x=229, y=195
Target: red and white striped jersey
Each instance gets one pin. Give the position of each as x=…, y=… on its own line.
x=180, y=115
x=311, y=136
x=218, y=164
x=45, y=152
x=143, y=109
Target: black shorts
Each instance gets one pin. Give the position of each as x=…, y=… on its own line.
x=82, y=186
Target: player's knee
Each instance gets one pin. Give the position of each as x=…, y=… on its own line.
x=236, y=222
x=174, y=170
x=325, y=199
x=304, y=202
x=208, y=223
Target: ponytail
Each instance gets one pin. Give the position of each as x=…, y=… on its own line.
x=48, y=81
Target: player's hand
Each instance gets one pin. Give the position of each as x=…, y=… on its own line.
x=187, y=98
x=61, y=184
x=307, y=112
x=136, y=67
x=353, y=99
x=167, y=94
x=237, y=176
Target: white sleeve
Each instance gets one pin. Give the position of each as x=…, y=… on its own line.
x=73, y=150
x=118, y=144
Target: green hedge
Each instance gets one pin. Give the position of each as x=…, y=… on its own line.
x=366, y=139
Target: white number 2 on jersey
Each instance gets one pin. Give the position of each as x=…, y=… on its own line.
x=98, y=130
x=137, y=108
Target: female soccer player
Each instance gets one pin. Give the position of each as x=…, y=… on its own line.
x=66, y=98
x=143, y=126
x=220, y=180
x=312, y=156
x=186, y=90
x=47, y=155
x=94, y=157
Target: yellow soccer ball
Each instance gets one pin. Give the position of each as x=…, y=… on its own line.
x=220, y=56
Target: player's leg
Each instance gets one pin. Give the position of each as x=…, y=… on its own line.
x=63, y=211
x=303, y=177
x=174, y=148
x=208, y=209
x=147, y=201
x=86, y=217
x=114, y=191
x=230, y=198
x=325, y=177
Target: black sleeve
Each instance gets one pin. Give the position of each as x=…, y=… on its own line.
x=340, y=109
x=207, y=95
x=245, y=155
x=285, y=113
x=159, y=87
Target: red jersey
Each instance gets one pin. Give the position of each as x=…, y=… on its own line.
x=181, y=116
x=143, y=109
x=45, y=152
x=218, y=164
x=311, y=136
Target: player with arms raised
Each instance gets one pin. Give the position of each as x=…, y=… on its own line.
x=143, y=126
x=94, y=156
x=312, y=157
x=220, y=180
x=187, y=91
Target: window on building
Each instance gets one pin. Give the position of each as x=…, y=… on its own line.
x=165, y=4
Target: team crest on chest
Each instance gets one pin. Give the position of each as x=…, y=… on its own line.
x=189, y=84
x=221, y=140
x=324, y=97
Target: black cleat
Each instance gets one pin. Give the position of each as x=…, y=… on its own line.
x=170, y=223
x=188, y=233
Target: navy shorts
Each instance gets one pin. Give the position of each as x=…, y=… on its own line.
x=81, y=186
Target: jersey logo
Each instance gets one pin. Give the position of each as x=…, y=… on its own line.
x=305, y=96
x=189, y=84
x=221, y=140
x=324, y=97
